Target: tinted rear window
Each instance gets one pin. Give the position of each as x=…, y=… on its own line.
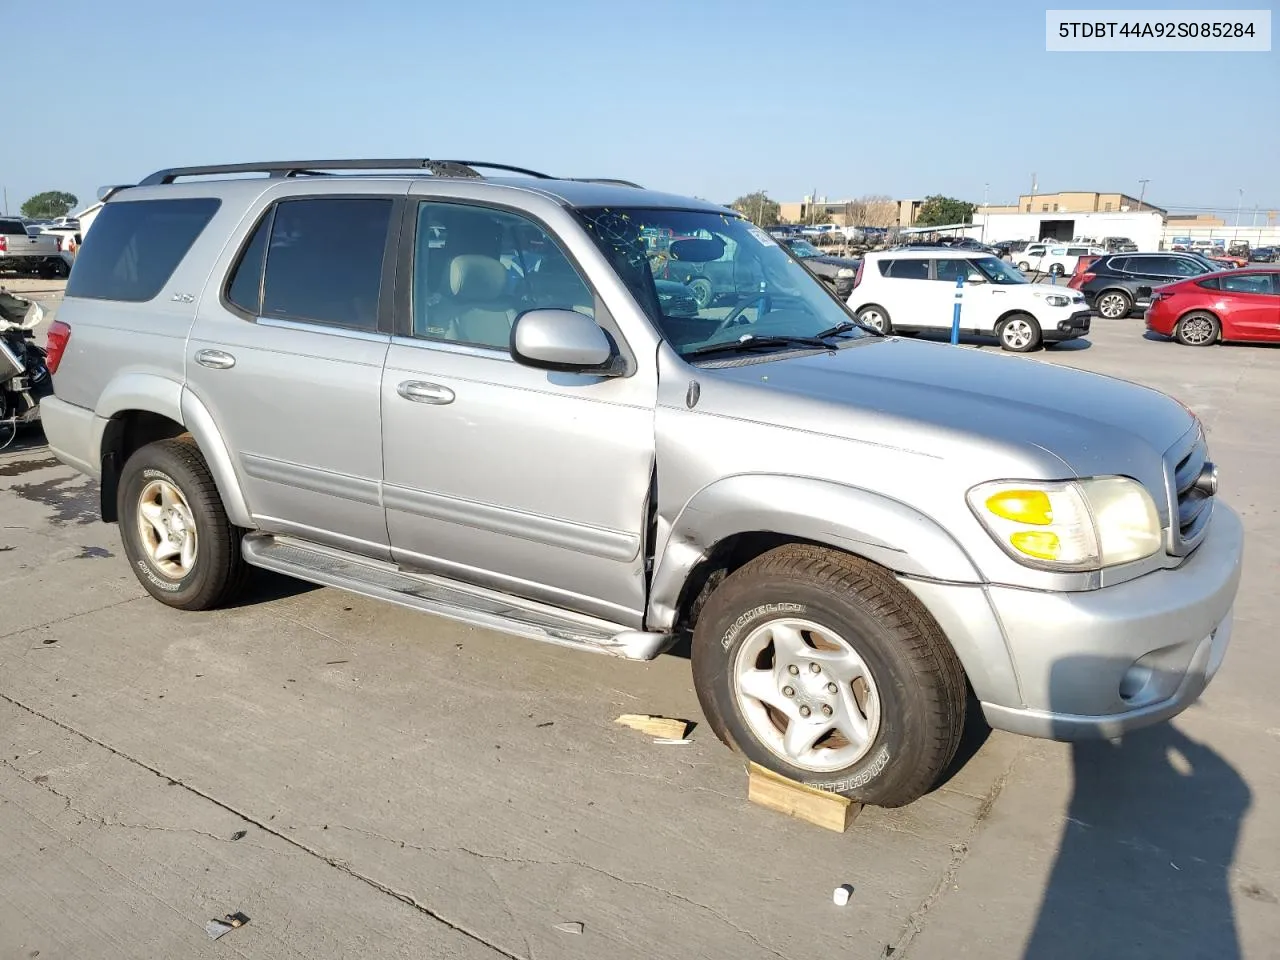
x=905, y=269
x=136, y=246
x=12, y=227
x=324, y=261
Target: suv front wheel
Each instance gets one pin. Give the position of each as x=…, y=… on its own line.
x=180, y=544
x=819, y=666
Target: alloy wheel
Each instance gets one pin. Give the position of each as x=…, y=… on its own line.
x=167, y=529
x=807, y=695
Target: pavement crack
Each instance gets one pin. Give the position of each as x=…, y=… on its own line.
x=88, y=817
x=959, y=853
x=579, y=864
x=404, y=897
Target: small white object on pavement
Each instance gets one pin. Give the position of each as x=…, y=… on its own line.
x=569, y=926
x=840, y=896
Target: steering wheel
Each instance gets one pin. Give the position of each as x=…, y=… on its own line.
x=742, y=305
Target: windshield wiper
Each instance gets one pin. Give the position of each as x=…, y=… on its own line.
x=845, y=326
x=750, y=342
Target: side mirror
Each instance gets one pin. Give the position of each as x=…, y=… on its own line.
x=975, y=278
x=562, y=340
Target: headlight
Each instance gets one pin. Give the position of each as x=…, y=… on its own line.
x=1056, y=300
x=1071, y=525
x=844, y=273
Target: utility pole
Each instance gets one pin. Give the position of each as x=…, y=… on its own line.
x=1239, y=204
x=6, y=201
x=986, y=190
x=1143, y=193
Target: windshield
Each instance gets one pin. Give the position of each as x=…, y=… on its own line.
x=742, y=282
x=803, y=248
x=997, y=271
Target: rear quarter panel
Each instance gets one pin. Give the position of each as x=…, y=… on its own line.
x=115, y=340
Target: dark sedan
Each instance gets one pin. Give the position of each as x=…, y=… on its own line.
x=837, y=272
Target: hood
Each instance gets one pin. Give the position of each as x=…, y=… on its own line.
x=939, y=400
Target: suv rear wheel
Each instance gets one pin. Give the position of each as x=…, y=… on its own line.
x=183, y=549
x=1114, y=304
x=819, y=666
x=874, y=315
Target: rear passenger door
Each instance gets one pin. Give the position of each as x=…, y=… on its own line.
x=911, y=298
x=530, y=482
x=287, y=353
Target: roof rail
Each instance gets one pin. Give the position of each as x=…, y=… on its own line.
x=294, y=168
x=616, y=183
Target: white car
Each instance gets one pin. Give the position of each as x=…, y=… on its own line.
x=1055, y=259
x=905, y=291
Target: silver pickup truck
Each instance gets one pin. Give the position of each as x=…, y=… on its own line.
x=344, y=377
x=22, y=251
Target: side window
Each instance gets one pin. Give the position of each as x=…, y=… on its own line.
x=908, y=270
x=476, y=269
x=1155, y=266
x=1248, y=283
x=1077, y=251
x=1119, y=264
x=951, y=270
x=245, y=287
x=136, y=247
x=324, y=260
x=1183, y=268
x=1209, y=283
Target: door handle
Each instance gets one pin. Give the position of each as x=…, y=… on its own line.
x=215, y=359
x=420, y=392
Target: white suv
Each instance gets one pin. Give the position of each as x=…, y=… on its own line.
x=1056, y=259
x=899, y=291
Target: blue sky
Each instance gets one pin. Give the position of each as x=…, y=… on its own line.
x=705, y=97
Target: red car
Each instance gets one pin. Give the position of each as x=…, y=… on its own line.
x=1230, y=305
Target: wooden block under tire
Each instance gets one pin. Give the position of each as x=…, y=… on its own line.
x=819, y=807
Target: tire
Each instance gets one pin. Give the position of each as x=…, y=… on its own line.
x=910, y=700
x=1024, y=266
x=1019, y=333
x=1114, y=304
x=874, y=315
x=216, y=570
x=701, y=290
x=1056, y=270
x=1197, y=329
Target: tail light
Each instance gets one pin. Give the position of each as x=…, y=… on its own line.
x=58, y=240
x=1080, y=279
x=857, y=274
x=56, y=344
x=4, y=244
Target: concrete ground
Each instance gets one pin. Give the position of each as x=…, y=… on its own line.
x=363, y=781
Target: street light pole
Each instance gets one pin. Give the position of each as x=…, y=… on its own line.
x=1239, y=204
x=986, y=190
x=1143, y=192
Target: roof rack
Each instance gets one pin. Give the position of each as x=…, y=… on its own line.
x=294, y=168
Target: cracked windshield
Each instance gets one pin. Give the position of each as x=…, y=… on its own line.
x=715, y=284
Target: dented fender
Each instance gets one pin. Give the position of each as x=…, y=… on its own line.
x=870, y=525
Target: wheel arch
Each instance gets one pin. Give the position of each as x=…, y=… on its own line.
x=736, y=519
x=137, y=409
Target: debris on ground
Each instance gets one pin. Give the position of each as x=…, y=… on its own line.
x=570, y=926
x=666, y=740
x=218, y=928
x=668, y=728
x=840, y=896
x=239, y=834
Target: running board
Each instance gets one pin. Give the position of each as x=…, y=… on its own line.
x=448, y=598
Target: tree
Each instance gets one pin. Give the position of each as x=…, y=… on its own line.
x=938, y=210
x=50, y=204
x=759, y=209
x=872, y=210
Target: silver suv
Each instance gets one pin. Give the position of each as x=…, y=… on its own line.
x=468, y=395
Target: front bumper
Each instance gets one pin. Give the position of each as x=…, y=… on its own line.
x=1075, y=325
x=1096, y=664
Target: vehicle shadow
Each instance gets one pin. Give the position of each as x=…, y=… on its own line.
x=1143, y=865
x=266, y=586
x=28, y=438
x=1079, y=343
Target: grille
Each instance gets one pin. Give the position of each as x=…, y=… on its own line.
x=1193, y=505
